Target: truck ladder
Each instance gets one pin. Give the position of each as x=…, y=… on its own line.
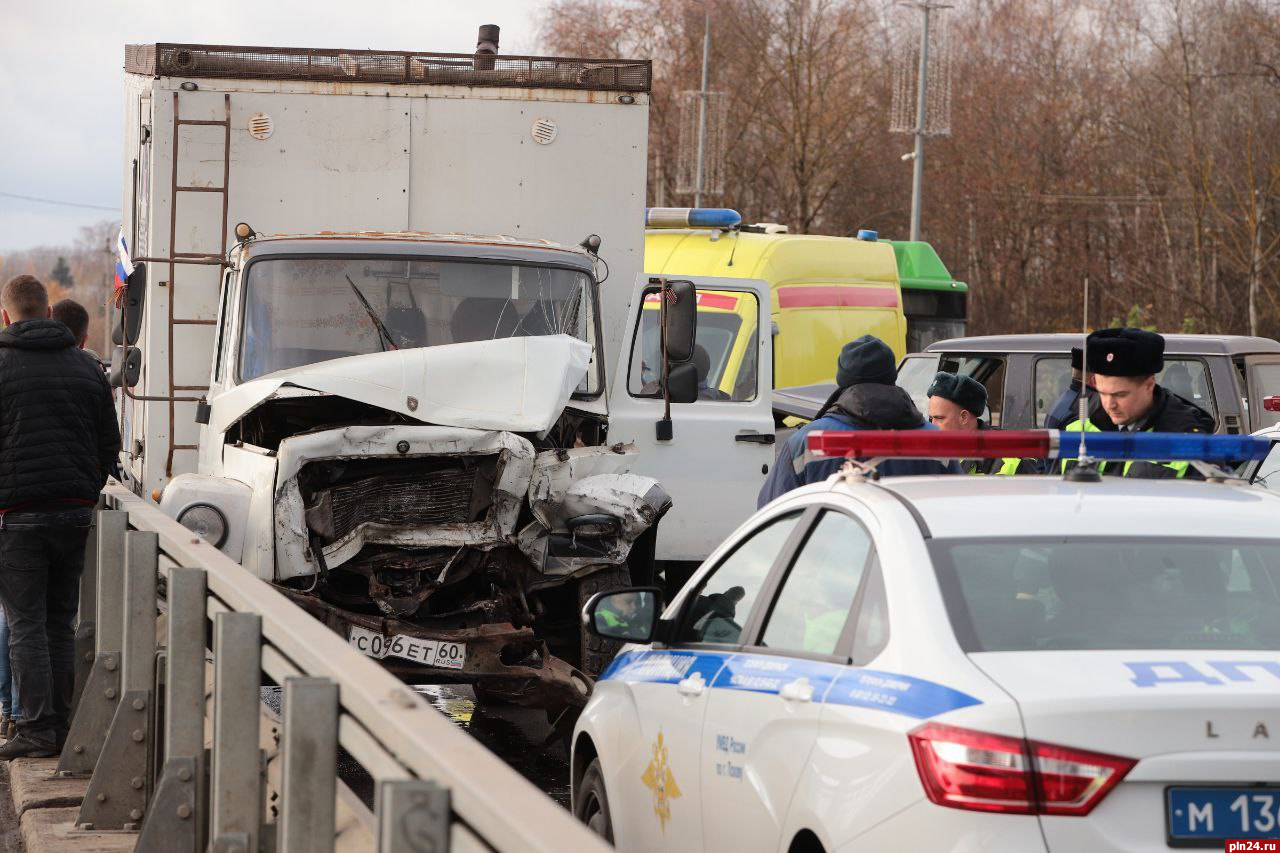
x=195, y=258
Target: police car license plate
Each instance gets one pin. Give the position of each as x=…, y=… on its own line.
x=427, y=652
x=1213, y=814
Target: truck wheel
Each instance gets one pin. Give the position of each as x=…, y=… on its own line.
x=591, y=806
x=596, y=652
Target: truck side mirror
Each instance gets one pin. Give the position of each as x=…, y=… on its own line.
x=126, y=367
x=128, y=322
x=682, y=320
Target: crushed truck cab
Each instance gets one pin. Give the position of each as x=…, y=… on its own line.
x=423, y=462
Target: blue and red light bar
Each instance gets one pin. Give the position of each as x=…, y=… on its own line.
x=1035, y=444
x=691, y=217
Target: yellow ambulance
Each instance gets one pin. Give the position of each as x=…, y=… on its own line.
x=826, y=290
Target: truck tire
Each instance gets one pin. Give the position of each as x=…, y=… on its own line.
x=596, y=652
x=591, y=805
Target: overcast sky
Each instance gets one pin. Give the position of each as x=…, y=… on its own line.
x=61, y=107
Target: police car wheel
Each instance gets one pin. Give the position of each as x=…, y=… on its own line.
x=591, y=806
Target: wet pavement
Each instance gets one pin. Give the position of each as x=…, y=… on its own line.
x=519, y=736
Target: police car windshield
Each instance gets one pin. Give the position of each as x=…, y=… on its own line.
x=1111, y=593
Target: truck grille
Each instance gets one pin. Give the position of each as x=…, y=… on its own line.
x=441, y=497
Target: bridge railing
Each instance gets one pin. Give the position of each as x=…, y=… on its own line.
x=141, y=727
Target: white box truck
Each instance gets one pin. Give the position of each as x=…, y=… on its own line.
x=406, y=426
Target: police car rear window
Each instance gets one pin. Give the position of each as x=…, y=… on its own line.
x=1103, y=593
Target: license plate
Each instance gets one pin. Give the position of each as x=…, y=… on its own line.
x=426, y=652
x=1212, y=814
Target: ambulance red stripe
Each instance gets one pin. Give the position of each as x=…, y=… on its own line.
x=837, y=296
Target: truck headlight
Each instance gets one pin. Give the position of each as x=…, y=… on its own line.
x=206, y=521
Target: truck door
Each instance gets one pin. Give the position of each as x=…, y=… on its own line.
x=722, y=445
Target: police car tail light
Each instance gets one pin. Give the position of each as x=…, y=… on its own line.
x=928, y=443
x=964, y=769
x=1271, y=404
x=1073, y=781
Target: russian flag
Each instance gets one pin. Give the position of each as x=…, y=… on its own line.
x=124, y=266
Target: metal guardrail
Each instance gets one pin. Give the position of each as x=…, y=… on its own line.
x=140, y=722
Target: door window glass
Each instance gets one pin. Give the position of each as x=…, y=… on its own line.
x=719, y=608
x=871, y=631
x=725, y=349
x=987, y=369
x=1186, y=377
x=916, y=375
x=813, y=604
x=1264, y=382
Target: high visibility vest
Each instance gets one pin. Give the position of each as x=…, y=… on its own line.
x=1008, y=467
x=1179, y=468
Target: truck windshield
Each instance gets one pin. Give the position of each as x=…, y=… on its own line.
x=299, y=311
x=1152, y=592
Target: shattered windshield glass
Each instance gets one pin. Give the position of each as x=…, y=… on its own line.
x=299, y=311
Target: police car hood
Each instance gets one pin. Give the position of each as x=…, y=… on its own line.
x=512, y=384
x=1182, y=705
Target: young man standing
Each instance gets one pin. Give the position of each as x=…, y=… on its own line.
x=58, y=440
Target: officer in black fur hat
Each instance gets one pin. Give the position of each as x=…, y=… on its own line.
x=957, y=402
x=1125, y=363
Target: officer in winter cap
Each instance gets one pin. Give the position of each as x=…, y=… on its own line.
x=957, y=402
x=1125, y=363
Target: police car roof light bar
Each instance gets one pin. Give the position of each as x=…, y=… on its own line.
x=933, y=444
x=692, y=217
x=1033, y=444
x=1272, y=403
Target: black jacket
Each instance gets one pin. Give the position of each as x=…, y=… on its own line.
x=1169, y=413
x=58, y=433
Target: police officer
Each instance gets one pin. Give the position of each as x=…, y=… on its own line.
x=1125, y=363
x=956, y=402
x=866, y=398
x=1067, y=407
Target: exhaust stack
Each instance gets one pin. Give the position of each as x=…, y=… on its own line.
x=486, y=47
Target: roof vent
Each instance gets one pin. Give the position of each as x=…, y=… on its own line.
x=544, y=131
x=261, y=126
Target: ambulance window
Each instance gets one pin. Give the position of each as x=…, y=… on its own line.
x=817, y=594
x=719, y=607
x=725, y=351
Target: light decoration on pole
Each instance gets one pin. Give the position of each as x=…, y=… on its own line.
x=921, y=86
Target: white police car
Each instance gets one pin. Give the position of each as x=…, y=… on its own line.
x=954, y=663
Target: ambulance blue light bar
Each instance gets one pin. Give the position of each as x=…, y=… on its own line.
x=691, y=217
x=1035, y=444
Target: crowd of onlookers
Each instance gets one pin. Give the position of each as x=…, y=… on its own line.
x=58, y=442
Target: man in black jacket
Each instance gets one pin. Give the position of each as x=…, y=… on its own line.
x=1125, y=363
x=58, y=440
